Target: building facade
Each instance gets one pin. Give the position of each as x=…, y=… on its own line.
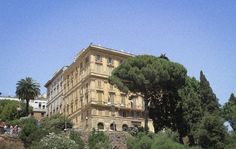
x=55, y=93
x=90, y=101
x=38, y=105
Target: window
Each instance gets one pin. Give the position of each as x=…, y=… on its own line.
x=82, y=116
x=109, y=60
x=122, y=113
x=94, y=111
x=76, y=70
x=100, y=96
x=110, y=70
x=81, y=91
x=107, y=112
x=98, y=68
x=100, y=126
x=133, y=103
x=113, y=126
x=42, y=114
x=111, y=98
x=86, y=87
x=134, y=114
x=72, y=109
x=76, y=104
x=100, y=112
x=81, y=101
x=123, y=100
x=67, y=108
x=87, y=59
x=99, y=84
x=125, y=127
x=111, y=87
x=81, y=66
x=98, y=58
x=86, y=98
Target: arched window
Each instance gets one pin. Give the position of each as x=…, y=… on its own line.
x=100, y=126
x=125, y=127
x=113, y=126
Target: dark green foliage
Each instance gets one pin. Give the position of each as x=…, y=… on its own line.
x=209, y=100
x=175, y=101
x=231, y=143
x=142, y=74
x=211, y=133
x=8, y=110
x=191, y=108
x=31, y=132
x=56, y=123
x=98, y=140
x=157, y=81
x=162, y=140
x=229, y=111
x=141, y=141
x=27, y=89
x=76, y=136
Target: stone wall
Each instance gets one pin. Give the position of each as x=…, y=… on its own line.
x=118, y=139
x=7, y=142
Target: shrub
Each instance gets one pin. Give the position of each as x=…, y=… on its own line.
x=162, y=140
x=56, y=123
x=76, y=136
x=98, y=140
x=56, y=141
x=29, y=131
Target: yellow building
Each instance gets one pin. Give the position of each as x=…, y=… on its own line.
x=90, y=101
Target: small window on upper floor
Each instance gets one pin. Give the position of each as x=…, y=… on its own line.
x=111, y=87
x=98, y=58
x=87, y=59
x=81, y=65
x=99, y=84
x=109, y=61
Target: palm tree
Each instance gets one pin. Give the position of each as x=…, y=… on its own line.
x=27, y=89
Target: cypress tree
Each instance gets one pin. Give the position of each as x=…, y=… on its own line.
x=229, y=111
x=209, y=101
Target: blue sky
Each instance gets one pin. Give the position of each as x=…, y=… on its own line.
x=39, y=37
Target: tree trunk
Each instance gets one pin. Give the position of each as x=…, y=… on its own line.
x=27, y=107
x=145, y=115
